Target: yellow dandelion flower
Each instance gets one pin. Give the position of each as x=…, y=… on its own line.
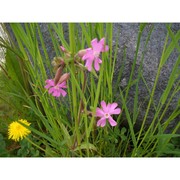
x=16, y=131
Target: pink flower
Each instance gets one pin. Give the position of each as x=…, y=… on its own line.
x=106, y=112
x=55, y=90
x=92, y=54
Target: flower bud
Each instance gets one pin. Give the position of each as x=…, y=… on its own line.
x=67, y=55
x=58, y=74
x=57, y=62
x=81, y=53
x=63, y=48
x=64, y=77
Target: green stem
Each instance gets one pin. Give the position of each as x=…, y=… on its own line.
x=74, y=90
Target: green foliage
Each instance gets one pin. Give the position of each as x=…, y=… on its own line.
x=27, y=150
x=3, y=150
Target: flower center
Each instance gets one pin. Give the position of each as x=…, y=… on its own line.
x=56, y=87
x=18, y=127
x=106, y=115
x=96, y=54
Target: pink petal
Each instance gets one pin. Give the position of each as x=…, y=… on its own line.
x=51, y=90
x=103, y=104
x=56, y=93
x=102, y=41
x=94, y=42
x=99, y=112
x=113, y=106
x=116, y=111
x=62, y=85
x=84, y=57
x=49, y=81
x=63, y=48
x=47, y=86
x=88, y=55
x=111, y=121
x=108, y=107
x=63, y=92
x=104, y=49
x=96, y=64
x=89, y=64
x=97, y=46
x=99, y=60
x=101, y=122
x=104, y=107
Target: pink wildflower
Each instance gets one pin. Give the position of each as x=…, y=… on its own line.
x=55, y=90
x=106, y=112
x=92, y=54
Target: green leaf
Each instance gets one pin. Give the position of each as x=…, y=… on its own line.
x=86, y=146
x=166, y=135
x=3, y=151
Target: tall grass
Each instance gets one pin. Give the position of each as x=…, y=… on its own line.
x=64, y=126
